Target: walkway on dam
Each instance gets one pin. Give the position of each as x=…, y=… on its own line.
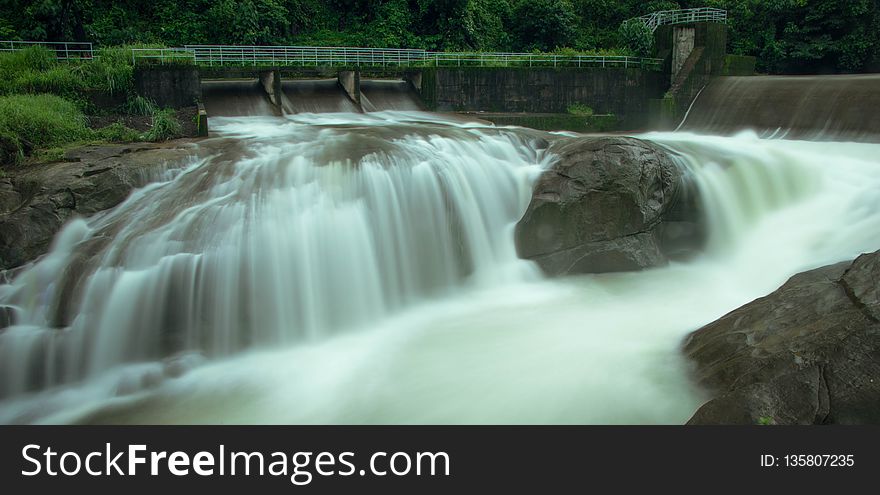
x=348, y=57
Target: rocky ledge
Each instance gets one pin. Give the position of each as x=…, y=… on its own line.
x=609, y=204
x=808, y=353
x=35, y=201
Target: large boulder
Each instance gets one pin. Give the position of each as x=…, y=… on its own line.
x=35, y=201
x=608, y=204
x=808, y=353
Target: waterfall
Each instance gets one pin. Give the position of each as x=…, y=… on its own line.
x=361, y=268
x=311, y=231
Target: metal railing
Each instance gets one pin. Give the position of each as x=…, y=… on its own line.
x=683, y=16
x=64, y=50
x=311, y=56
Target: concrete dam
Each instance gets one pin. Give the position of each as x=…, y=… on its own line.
x=237, y=98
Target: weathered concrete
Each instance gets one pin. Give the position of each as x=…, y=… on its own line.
x=682, y=47
x=621, y=92
x=704, y=61
x=174, y=87
x=350, y=81
x=271, y=82
x=202, y=121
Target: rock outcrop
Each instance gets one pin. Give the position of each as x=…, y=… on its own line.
x=608, y=204
x=808, y=353
x=35, y=201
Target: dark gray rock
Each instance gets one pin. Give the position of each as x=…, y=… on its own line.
x=36, y=200
x=808, y=353
x=608, y=204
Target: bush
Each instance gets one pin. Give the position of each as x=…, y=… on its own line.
x=580, y=110
x=28, y=122
x=165, y=126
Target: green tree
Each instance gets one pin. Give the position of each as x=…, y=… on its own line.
x=543, y=24
x=637, y=37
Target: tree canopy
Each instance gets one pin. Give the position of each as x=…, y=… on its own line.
x=785, y=35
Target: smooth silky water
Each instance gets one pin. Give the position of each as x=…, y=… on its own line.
x=347, y=268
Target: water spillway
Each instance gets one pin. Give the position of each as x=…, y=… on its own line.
x=315, y=96
x=236, y=98
x=829, y=108
x=361, y=268
x=379, y=95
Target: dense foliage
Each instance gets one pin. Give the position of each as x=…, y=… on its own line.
x=44, y=102
x=786, y=35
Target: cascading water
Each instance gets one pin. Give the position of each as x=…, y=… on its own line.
x=353, y=268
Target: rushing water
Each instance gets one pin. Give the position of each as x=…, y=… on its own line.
x=361, y=269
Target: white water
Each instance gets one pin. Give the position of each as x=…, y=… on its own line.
x=361, y=269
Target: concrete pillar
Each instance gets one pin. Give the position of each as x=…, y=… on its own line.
x=271, y=82
x=415, y=80
x=202, y=121
x=350, y=82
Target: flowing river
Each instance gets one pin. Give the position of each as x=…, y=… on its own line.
x=346, y=268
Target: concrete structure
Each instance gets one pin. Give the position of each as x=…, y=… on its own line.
x=634, y=94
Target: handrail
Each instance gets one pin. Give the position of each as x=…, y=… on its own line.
x=64, y=50
x=682, y=16
x=312, y=56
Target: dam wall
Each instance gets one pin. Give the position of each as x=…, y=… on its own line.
x=621, y=92
x=795, y=107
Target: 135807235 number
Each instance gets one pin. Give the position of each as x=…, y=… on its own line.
x=819, y=460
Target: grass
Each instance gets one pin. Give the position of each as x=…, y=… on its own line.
x=138, y=105
x=31, y=122
x=165, y=126
x=43, y=100
x=118, y=133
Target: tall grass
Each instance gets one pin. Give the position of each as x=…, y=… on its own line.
x=36, y=70
x=138, y=105
x=30, y=122
x=165, y=126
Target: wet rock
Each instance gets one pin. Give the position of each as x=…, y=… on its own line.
x=609, y=204
x=7, y=317
x=808, y=353
x=36, y=200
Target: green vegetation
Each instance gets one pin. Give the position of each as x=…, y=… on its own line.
x=165, y=126
x=43, y=103
x=118, y=133
x=580, y=110
x=31, y=122
x=138, y=105
x=637, y=37
x=785, y=35
x=766, y=421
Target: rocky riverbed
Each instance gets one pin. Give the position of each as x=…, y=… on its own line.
x=35, y=201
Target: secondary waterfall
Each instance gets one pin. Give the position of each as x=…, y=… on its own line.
x=361, y=268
